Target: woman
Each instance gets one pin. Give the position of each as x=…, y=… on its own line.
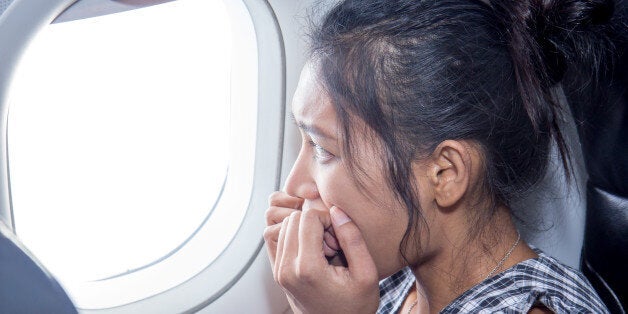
x=422, y=122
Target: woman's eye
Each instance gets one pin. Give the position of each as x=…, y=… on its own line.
x=321, y=154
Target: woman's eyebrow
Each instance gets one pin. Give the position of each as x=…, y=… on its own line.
x=310, y=129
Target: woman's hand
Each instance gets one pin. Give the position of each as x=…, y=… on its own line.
x=281, y=205
x=312, y=284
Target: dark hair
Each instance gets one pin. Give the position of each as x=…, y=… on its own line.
x=419, y=72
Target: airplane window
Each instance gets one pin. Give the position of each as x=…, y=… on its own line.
x=123, y=143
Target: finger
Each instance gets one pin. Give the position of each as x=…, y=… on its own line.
x=331, y=231
x=275, y=215
x=291, y=242
x=271, y=236
x=280, y=243
x=282, y=199
x=331, y=241
x=359, y=260
x=313, y=224
x=329, y=252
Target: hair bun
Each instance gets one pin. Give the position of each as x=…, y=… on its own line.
x=602, y=12
x=559, y=27
x=563, y=31
x=564, y=17
x=587, y=12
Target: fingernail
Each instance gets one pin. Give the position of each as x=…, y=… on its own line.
x=338, y=217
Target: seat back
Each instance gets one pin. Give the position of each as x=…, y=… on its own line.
x=602, y=121
x=25, y=286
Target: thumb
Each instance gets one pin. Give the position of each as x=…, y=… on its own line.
x=359, y=260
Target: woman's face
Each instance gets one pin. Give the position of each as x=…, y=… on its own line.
x=321, y=177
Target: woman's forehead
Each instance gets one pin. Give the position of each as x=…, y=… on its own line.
x=310, y=105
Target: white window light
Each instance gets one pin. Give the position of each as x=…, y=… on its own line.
x=132, y=149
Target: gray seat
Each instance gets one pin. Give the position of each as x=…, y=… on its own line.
x=25, y=286
x=602, y=121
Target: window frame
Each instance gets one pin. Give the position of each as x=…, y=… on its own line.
x=21, y=22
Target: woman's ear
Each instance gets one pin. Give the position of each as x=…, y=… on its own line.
x=449, y=171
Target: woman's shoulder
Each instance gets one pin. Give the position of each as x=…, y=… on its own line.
x=393, y=290
x=542, y=280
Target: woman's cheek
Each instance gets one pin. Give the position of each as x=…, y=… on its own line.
x=379, y=229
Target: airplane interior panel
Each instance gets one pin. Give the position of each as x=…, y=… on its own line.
x=142, y=142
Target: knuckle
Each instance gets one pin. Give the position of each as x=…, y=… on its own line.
x=269, y=215
x=295, y=215
x=312, y=213
x=283, y=278
x=274, y=215
x=270, y=234
x=305, y=273
x=274, y=197
x=309, y=213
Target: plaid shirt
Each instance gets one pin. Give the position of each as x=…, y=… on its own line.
x=542, y=280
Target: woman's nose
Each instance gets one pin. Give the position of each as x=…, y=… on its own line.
x=300, y=182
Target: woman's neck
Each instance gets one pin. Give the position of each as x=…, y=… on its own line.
x=458, y=263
